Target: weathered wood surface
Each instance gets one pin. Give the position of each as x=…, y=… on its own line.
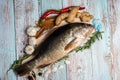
x=101, y=62
x=7, y=39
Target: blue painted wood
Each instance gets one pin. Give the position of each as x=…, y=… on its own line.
x=26, y=14
x=101, y=62
x=114, y=20
x=7, y=39
x=101, y=54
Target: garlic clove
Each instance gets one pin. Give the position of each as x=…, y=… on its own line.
x=37, y=28
x=31, y=31
x=32, y=41
x=29, y=49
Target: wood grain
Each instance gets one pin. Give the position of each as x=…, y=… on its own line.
x=26, y=13
x=114, y=19
x=7, y=39
x=101, y=62
x=81, y=62
x=101, y=56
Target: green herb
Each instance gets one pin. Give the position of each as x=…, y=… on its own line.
x=64, y=58
x=18, y=62
x=95, y=36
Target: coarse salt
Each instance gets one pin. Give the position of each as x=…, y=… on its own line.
x=60, y=67
x=54, y=69
x=67, y=62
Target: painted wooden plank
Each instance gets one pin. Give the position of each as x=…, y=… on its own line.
x=26, y=13
x=7, y=39
x=105, y=53
x=81, y=62
x=46, y=5
x=101, y=53
x=114, y=19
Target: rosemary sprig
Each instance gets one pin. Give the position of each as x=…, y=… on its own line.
x=18, y=62
x=64, y=58
x=95, y=36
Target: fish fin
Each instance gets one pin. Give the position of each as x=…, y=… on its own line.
x=71, y=45
x=23, y=69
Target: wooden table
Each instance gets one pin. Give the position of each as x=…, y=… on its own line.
x=100, y=62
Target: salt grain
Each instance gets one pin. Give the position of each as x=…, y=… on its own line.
x=54, y=69
x=60, y=67
x=67, y=62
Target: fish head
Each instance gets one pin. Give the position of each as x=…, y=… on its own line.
x=81, y=30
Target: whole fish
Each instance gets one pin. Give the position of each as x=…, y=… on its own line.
x=57, y=44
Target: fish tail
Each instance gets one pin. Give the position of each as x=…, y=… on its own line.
x=23, y=69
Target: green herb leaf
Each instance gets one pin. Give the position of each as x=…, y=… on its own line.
x=18, y=62
x=64, y=58
x=95, y=36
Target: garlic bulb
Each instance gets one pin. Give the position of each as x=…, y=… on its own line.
x=32, y=41
x=29, y=49
x=31, y=31
x=37, y=28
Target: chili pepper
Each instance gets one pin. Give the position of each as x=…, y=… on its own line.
x=65, y=9
x=68, y=8
x=81, y=8
x=50, y=12
x=59, y=11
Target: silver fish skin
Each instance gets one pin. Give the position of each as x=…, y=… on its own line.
x=58, y=44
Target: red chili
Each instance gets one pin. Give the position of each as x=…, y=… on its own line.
x=68, y=8
x=58, y=11
x=65, y=9
x=81, y=8
x=50, y=12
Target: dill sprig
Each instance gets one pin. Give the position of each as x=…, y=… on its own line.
x=97, y=35
x=18, y=62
